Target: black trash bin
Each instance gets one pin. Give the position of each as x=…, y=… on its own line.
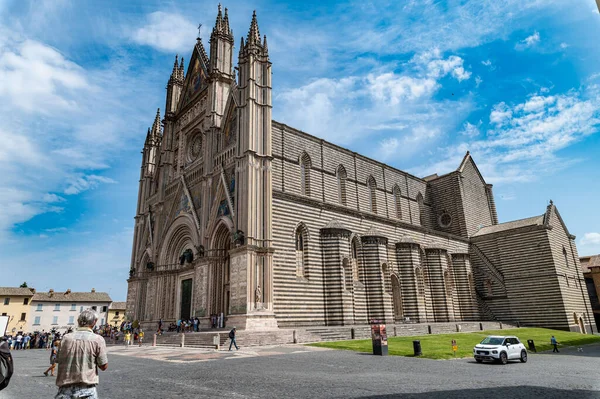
x=417, y=348
x=531, y=345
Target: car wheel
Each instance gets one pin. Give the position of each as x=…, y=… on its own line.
x=523, y=356
x=503, y=358
x=479, y=360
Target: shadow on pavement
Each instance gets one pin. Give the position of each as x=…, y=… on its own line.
x=524, y=391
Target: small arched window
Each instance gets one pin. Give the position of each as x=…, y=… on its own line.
x=397, y=199
x=354, y=256
x=372, y=186
x=421, y=205
x=488, y=287
x=341, y=178
x=305, y=166
x=301, y=251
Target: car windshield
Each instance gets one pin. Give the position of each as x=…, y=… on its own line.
x=492, y=341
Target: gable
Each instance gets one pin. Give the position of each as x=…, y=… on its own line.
x=196, y=77
x=230, y=126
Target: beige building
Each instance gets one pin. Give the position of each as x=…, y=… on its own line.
x=116, y=313
x=590, y=266
x=14, y=303
x=242, y=216
x=59, y=310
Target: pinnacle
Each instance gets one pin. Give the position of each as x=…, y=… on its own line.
x=254, y=33
x=156, y=124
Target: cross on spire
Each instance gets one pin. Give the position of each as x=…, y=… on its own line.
x=199, y=30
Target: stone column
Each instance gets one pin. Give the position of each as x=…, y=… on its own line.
x=379, y=303
x=461, y=267
x=338, y=298
x=437, y=264
x=408, y=259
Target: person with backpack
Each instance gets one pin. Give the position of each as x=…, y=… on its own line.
x=232, y=338
x=6, y=364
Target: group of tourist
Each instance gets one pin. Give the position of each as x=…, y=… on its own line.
x=35, y=340
x=188, y=325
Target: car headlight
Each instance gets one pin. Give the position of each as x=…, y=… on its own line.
x=495, y=352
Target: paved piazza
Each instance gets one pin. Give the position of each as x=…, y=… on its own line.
x=295, y=371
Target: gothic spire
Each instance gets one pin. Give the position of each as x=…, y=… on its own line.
x=265, y=48
x=181, y=70
x=156, y=125
x=253, y=32
x=226, y=23
x=219, y=23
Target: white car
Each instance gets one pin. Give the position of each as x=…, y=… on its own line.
x=500, y=349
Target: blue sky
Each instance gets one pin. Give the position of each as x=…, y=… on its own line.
x=411, y=83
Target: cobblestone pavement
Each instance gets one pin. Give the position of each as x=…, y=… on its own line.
x=296, y=371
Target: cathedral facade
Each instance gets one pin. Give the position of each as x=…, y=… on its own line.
x=266, y=226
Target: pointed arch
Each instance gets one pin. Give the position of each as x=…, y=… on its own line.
x=397, y=297
x=305, y=167
x=341, y=178
x=355, y=254
x=301, y=247
x=372, y=186
x=182, y=235
x=397, y=201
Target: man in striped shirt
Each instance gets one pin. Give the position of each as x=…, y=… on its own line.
x=80, y=356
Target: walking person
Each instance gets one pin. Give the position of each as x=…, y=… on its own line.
x=127, y=338
x=141, y=337
x=554, y=344
x=80, y=356
x=232, y=338
x=53, y=356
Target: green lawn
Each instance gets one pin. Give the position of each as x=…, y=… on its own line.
x=439, y=346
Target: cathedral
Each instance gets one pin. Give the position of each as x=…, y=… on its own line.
x=263, y=226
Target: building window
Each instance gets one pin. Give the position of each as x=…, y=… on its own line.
x=71, y=320
x=80, y=309
x=54, y=320
x=445, y=219
x=104, y=309
x=6, y=301
x=117, y=313
x=25, y=301
x=488, y=287
x=354, y=256
x=4, y=314
x=397, y=201
x=94, y=308
x=566, y=257
x=73, y=307
x=420, y=282
x=342, y=176
x=36, y=321
x=372, y=186
x=39, y=307
x=421, y=205
x=305, y=165
x=22, y=317
x=57, y=307
x=101, y=322
x=301, y=250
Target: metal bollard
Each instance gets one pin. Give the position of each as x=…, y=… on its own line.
x=352, y=333
x=428, y=330
x=501, y=325
x=294, y=337
x=417, y=348
x=481, y=326
x=458, y=328
x=182, y=340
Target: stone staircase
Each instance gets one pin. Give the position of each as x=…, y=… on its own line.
x=491, y=269
x=192, y=339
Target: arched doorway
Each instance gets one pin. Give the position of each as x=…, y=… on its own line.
x=582, y=326
x=220, y=271
x=397, y=298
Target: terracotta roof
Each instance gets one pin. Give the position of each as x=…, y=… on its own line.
x=118, y=305
x=72, y=297
x=16, y=291
x=515, y=224
x=589, y=261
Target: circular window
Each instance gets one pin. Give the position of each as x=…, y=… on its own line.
x=195, y=147
x=445, y=219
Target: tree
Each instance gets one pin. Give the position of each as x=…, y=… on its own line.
x=24, y=285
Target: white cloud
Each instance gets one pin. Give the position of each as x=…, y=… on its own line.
x=52, y=198
x=590, y=238
x=78, y=184
x=470, y=130
x=478, y=81
x=487, y=63
x=524, y=140
x=529, y=41
x=37, y=78
x=392, y=105
x=564, y=45
x=166, y=32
